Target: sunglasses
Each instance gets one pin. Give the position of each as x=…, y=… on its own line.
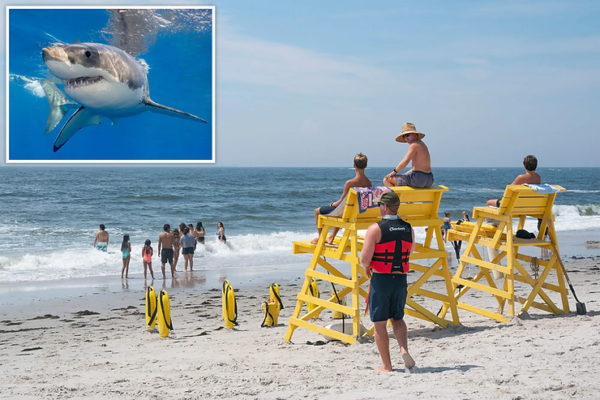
x=406, y=135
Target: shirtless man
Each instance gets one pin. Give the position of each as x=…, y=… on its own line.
x=165, y=240
x=420, y=175
x=101, y=240
x=530, y=176
x=360, y=180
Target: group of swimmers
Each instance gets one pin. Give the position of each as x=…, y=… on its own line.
x=184, y=238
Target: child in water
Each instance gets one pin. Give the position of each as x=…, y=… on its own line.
x=147, y=252
x=126, y=251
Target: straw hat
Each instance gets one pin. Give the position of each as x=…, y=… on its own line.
x=408, y=128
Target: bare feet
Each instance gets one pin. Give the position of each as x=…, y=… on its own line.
x=408, y=361
x=314, y=241
x=329, y=240
x=382, y=369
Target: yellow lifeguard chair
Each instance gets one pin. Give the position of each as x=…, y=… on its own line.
x=419, y=207
x=518, y=202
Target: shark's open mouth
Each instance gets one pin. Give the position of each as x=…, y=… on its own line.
x=82, y=81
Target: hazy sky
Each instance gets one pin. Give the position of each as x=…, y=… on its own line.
x=487, y=82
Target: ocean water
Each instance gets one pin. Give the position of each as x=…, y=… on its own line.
x=173, y=45
x=49, y=215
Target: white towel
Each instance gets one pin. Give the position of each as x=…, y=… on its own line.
x=545, y=188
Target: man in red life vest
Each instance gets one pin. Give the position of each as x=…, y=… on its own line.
x=385, y=257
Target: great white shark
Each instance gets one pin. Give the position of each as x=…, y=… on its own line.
x=103, y=81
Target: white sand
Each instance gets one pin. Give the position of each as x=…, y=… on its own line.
x=112, y=355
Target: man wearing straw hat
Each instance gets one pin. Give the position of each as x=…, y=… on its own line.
x=420, y=175
x=385, y=257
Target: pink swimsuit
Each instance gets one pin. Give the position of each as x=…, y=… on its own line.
x=148, y=256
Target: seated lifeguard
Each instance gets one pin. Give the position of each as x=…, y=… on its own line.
x=529, y=177
x=420, y=175
x=360, y=180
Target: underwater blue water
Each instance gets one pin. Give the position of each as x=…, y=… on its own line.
x=178, y=51
x=49, y=215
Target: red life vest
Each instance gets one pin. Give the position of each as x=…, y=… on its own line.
x=393, y=250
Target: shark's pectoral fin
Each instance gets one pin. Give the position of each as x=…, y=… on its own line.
x=59, y=104
x=159, y=108
x=80, y=118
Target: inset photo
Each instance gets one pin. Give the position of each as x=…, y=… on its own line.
x=96, y=85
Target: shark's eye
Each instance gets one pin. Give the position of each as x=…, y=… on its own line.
x=88, y=54
x=72, y=60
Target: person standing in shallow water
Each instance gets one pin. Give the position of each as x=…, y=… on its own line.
x=165, y=240
x=187, y=243
x=126, y=253
x=200, y=232
x=176, y=247
x=221, y=232
x=101, y=240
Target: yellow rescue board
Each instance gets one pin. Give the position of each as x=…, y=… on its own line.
x=164, y=314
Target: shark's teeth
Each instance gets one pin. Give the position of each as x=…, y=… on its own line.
x=82, y=81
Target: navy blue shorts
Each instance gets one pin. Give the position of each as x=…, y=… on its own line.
x=326, y=210
x=387, y=296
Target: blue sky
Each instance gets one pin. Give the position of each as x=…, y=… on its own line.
x=487, y=82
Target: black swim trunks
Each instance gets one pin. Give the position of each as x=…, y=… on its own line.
x=201, y=239
x=166, y=255
x=187, y=250
x=387, y=296
x=326, y=210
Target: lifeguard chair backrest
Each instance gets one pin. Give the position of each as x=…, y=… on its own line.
x=352, y=212
x=520, y=200
x=419, y=204
x=415, y=204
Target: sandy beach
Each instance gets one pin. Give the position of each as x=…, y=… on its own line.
x=87, y=338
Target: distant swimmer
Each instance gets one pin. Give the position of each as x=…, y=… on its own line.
x=221, y=232
x=359, y=180
x=200, y=232
x=147, y=253
x=165, y=240
x=126, y=253
x=530, y=176
x=420, y=175
x=101, y=240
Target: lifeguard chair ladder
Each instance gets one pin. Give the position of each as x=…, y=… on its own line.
x=419, y=207
x=518, y=202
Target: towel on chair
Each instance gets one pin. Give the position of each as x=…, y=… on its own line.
x=366, y=196
x=545, y=188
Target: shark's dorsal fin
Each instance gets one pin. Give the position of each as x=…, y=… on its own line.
x=80, y=118
x=76, y=41
x=159, y=108
x=59, y=104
